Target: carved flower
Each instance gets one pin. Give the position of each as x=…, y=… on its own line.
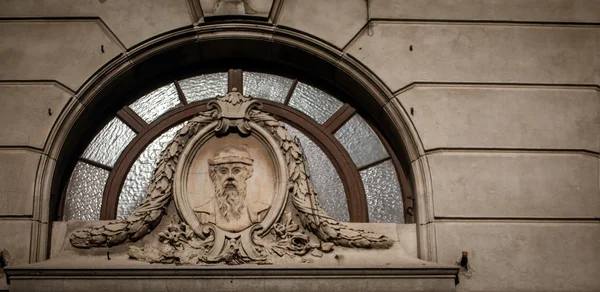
x=173, y=236
x=299, y=243
x=279, y=229
x=170, y=238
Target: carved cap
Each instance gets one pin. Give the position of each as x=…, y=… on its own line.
x=231, y=155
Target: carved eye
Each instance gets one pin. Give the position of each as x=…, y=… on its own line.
x=236, y=170
x=223, y=170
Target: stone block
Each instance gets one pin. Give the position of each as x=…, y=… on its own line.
x=302, y=284
x=15, y=237
x=504, y=117
x=407, y=237
x=132, y=21
x=474, y=184
x=66, y=51
x=76, y=285
x=59, y=237
x=54, y=285
x=444, y=52
x=523, y=256
x=233, y=284
x=340, y=284
x=425, y=285
x=17, y=181
x=335, y=21
x=28, y=113
x=503, y=10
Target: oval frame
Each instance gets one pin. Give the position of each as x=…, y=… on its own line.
x=183, y=167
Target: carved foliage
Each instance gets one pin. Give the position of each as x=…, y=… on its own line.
x=304, y=195
x=180, y=244
x=233, y=109
x=290, y=241
x=149, y=213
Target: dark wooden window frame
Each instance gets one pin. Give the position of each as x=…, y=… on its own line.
x=322, y=135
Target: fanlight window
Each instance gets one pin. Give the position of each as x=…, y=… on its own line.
x=348, y=162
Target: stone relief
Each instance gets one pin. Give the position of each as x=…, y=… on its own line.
x=229, y=209
x=236, y=7
x=242, y=194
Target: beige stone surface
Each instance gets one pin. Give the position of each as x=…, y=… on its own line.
x=28, y=113
x=59, y=237
x=498, y=10
x=523, y=256
x=404, y=234
x=335, y=21
x=444, y=52
x=406, y=133
x=132, y=21
x=468, y=184
x=37, y=286
x=234, y=284
x=15, y=237
x=407, y=238
x=66, y=51
x=505, y=117
x=17, y=181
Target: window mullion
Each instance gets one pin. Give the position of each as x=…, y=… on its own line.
x=132, y=119
x=180, y=94
x=339, y=118
x=291, y=92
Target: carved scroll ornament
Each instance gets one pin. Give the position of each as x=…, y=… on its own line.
x=220, y=232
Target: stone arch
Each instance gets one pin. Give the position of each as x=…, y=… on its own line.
x=194, y=50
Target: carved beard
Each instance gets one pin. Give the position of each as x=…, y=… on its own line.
x=230, y=198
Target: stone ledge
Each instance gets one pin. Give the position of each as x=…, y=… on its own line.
x=256, y=271
x=55, y=275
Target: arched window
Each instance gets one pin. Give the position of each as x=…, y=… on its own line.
x=354, y=170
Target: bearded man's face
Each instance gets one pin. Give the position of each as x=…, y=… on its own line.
x=229, y=180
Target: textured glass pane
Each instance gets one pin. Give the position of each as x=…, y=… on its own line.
x=138, y=178
x=109, y=143
x=84, y=193
x=324, y=177
x=204, y=86
x=314, y=102
x=156, y=103
x=266, y=86
x=384, y=199
x=361, y=142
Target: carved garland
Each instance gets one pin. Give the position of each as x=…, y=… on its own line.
x=304, y=195
x=158, y=196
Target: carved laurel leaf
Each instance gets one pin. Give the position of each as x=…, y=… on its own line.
x=304, y=196
x=149, y=213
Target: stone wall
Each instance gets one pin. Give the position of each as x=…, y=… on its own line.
x=503, y=96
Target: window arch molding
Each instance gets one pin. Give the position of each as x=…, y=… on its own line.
x=212, y=47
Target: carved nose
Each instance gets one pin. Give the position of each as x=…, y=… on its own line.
x=230, y=178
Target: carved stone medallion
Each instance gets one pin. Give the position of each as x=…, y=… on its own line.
x=242, y=193
x=231, y=186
